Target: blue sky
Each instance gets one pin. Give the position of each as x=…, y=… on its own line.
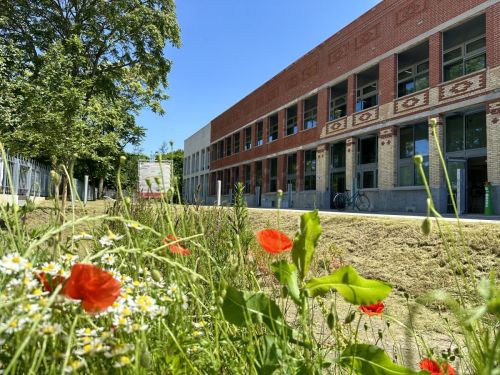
x=231, y=47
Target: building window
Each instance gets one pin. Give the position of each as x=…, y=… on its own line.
x=214, y=151
x=220, y=147
x=248, y=171
x=413, y=140
x=465, y=58
x=259, y=132
x=413, y=78
x=310, y=170
x=338, y=106
x=310, y=112
x=207, y=159
x=236, y=142
x=291, y=171
x=228, y=146
x=465, y=132
x=248, y=138
x=367, y=175
x=337, y=167
x=291, y=120
x=273, y=128
x=227, y=181
x=273, y=174
x=258, y=173
x=367, y=96
x=202, y=160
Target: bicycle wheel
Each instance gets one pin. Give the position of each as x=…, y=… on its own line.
x=339, y=201
x=362, y=202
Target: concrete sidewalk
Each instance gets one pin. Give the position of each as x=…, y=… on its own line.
x=467, y=218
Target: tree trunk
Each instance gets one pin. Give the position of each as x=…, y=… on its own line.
x=101, y=187
x=64, y=197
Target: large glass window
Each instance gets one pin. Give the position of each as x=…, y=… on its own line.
x=291, y=120
x=311, y=112
x=310, y=170
x=273, y=174
x=465, y=132
x=413, y=78
x=259, y=130
x=337, y=167
x=291, y=171
x=367, y=96
x=464, y=58
x=367, y=174
x=413, y=140
x=273, y=128
x=214, y=151
x=236, y=142
x=228, y=146
x=248, y=172
x=248, y=138
x=258, y=173
x=338, y=106
x=220, y=147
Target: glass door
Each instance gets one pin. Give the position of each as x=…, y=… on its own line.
x=455, y=165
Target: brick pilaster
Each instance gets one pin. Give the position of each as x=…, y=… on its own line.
x=492, y=35
x=282, y=172
x=265, y=176
x=387, y=154
x=387, y=79
x=323, y=106
x=252, y=178
x=493, y=142
x=322, y=168
x=300, y=111
x=436, y=171
x=350, y=162
x=435, y=59
x=351, y=94
x=282, y=123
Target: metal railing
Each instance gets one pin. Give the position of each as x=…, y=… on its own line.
x=29, y=178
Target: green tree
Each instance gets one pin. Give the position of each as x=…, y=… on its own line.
x=87, y=67
x=177, y=158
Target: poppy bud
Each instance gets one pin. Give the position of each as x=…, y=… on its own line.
x=148, y=182
x=123, y=159
x=365, y=326
x=433, y=122
x=330, y=320
x=223, y=284
x=15, y=208
x=380, y=334
x=220, y=301
x=157, y=180
x=156, y=275
x=280, y=193
x=350, y=317
x=171, y=143
x=284, y=292
x=418, y=159
x=160, y=157
x=223, y=293
x=128, y=201
x=146, y=359
x=426, y=226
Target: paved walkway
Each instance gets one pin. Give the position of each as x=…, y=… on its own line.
x=467, y=218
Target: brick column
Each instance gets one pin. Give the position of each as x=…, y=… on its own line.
x=351, y=94
x=281, y=172
x=493, y=142
x=264, y=132
x=322, y=169
x=300, y=111
x=282, y=123
x=323, y=106
x=241, y=174
x=387, y=153
x=265, y=176
x=252, y=178
x=350, y=162
x=436, y=170
x=300, y=171
x=435, y=59
x=387, y=79
x=493, y=36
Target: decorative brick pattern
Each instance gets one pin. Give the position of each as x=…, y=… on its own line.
x=368, y=36
x=334, y=127
x=410, y=11
x=387, y=149
x=464, y=86
x=493, y=142
x=338, y=53
x=411, y=103
x=436, y=172
x=322, y=167
x=366, y=117
x=311, y=70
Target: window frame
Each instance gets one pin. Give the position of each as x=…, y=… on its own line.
x=361, y=169
x=228, y=145
x=273, y=128
x=291, y=178
x=409, y=162
x=464, y=56
x=247, y=132
x=273, y=179
x=415, y=74
x=259, y=128
x=247, y=171
x=465, y=151
x=292, y=122
x=360, y=96
x=333, y=107
x=236, y=143
x=310, y=175
x=310, y=115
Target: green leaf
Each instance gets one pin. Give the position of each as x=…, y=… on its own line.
x=271, y=354
x=371, y=360
x=305, y=242
x=286, y=273
x=354, y=288
x=244, y=308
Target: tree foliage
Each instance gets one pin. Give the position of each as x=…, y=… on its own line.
x=76, y=72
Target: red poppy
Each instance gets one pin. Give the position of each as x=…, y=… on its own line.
x=371, y=310
x=97, y=289
x=50, y=283
x=434, y=368
x=175, y=248
x=274, y=241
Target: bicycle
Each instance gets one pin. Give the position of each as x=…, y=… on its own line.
x=358, y=200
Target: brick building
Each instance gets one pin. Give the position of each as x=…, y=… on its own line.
x=352, y=113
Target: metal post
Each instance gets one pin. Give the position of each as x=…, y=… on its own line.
x=219, y=190
x=85, y=189
x=16, y=174
x=289, y=191
x=460, y=191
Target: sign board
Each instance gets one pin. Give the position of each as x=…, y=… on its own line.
x=152, y=171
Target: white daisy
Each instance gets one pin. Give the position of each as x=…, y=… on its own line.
x=13, y=263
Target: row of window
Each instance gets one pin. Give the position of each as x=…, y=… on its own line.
x=462, y=133
x=197, y=162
